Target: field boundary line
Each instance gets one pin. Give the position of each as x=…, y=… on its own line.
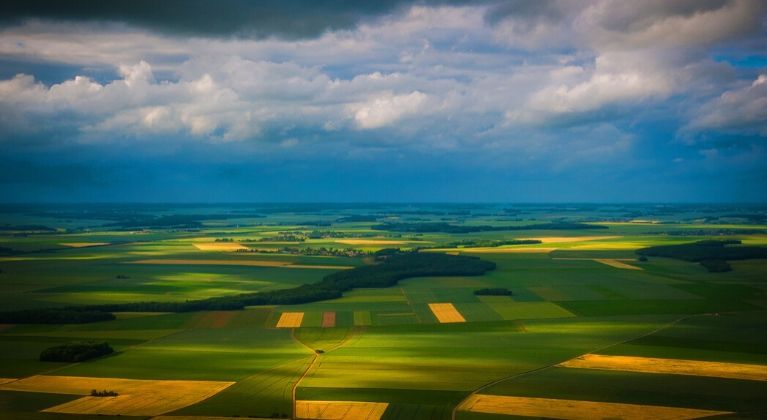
x=409, y=303
x=542, y=368
x=313, y=360
x=316, y=360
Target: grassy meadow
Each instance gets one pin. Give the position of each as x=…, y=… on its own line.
x=573, y=292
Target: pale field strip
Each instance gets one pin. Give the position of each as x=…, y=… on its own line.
x=6, y=380
x=446, y=313
x=494, y=250
x=136, y=397
x=371, y=241
x=207, y=418
x=577, y=410
x=290, y=320
x=590, y=259
x=249, y=263
x=219, y=246
x=565, y=239
x=83, y=244
x=340, y=410
x=617, y=264
x=669, y=366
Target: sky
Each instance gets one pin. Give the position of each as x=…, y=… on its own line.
x=427, y=101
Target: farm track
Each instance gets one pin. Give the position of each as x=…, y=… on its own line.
x=314, y=362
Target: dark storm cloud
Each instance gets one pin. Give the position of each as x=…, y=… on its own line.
x=291, y=19
x=528, y=10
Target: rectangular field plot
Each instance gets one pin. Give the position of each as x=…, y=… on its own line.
x=576, y=410
x=477, y=312
x=340, y=410
x=529, y=310
x=290, y=320
x=617, y=264
x=669, y=366
x=362, y=319
x=328, y=319
x=219, y=246
x=446, y=312
x=395, y=318
x=136, y=397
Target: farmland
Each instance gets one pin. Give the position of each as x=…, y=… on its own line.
x=590, y=327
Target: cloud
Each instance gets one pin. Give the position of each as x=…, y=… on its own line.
x=387, y=108
x=289, y=19
x=615, y=78
x=620, y=25
x=660, y=23
x=739, y=111
x=525, y=84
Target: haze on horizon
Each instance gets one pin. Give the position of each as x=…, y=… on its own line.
x=238, y=101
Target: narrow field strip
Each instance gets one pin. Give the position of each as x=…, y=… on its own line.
x=617, y=264
x=577, y=410
x=319, y=267
x=6, y=380
x=340, y=410
x=494, y=250
x=83, y=244
x=136, y=397
x=290, y=320
x=370, y=242
x=200, y=418
x=446, y=313
x=251, y=263
x=565, y=239
x=219, y=246
x=669, y=366
x=328, y=319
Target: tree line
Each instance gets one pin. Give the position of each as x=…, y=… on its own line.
x=443, y=227
x=711, y=254
x=76, y=352
x=391, y=267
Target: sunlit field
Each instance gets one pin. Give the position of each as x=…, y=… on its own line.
x=574, y=312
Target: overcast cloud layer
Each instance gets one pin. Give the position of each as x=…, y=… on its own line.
x=440, y=101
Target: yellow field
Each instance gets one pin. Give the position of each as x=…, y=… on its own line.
x=565, y=239
x=6, y=380
x=83, y=244
x=290, y=320
x=577, y=410
x=219, y=246
x=340, y=410
x=669, y=366
x=319, y=267
x=250, y=263
x=617, y=264
x=370, y=242
x=495, y=250
x=446, y=312
x=202, y=418
x=136, y=397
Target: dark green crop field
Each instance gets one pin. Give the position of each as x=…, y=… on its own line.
x=368, y=307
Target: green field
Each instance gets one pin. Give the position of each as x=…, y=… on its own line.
x=385, y=344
